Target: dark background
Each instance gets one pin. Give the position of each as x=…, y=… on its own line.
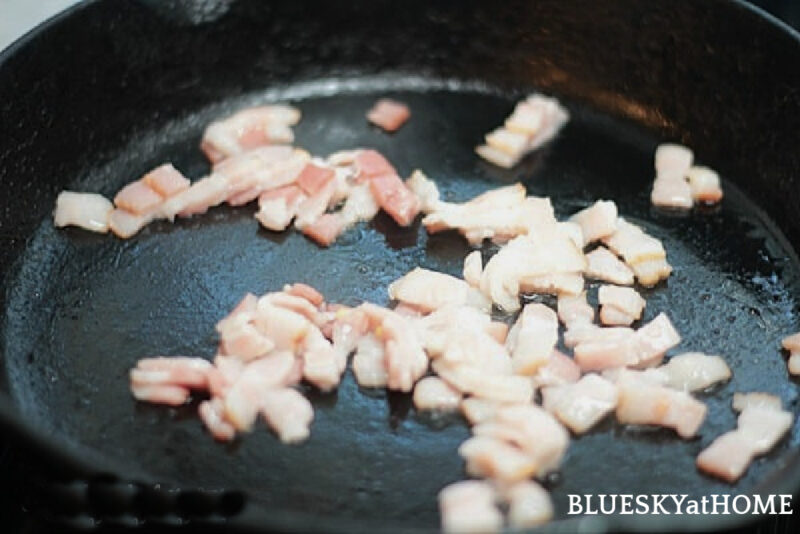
x=22, y=502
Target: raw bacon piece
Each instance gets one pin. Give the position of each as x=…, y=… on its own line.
x=166, y=180
x=755, y=400
x=212, y=413
x=278, y=207
x=395, y=198
x=529, y=505
x=248, y=129
x=138, y=198
x=524, y=258
x=320, y=361
x=430, y=290
x=125, y=224
x=288, y=413
x=162, y=394
x=314, y=206
x=535, y=121
x=176, y=371
x=250, y=174
x=558, y=371
x=705, y=185
x=388, y=114
x=89, y=211
x=532, y=338
x=433, y=393
x=497, y=387
x=469, y=507
x=597, y=221
x=583, y=404
x=371, y=164
x=406, y=361
x=792, y=344
x=651, y=272
x=369, y=364
x=313, y=178
x=499, y=214
x=642, y=403
x=477, y=410
x=325, y=229
x=606, y=348
x=203, y=194
x=573, y=309
x=426, y=191
x=673, y=160
x=603, y=265
x=633, y=244
x=473, y=267
x=493, y=458
x=359, y=206
x=671, y=192
x=305, y=291
x=762, y=423
x=552, y=284
x=694, y=371
x=625, y=300
x=536, y=432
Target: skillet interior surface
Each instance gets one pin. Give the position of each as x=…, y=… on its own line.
x=83, y=308
x=106, y=93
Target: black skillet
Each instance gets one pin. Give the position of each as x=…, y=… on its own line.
x=107, y=90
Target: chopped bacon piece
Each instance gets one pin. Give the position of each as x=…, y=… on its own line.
x=203, y=194
x=248, y=129
x=433, y=393
x=643, y=403
x=535, y=121
x=320, y=361
x=741, y=401
x=313, y=178
x=426, y=191
x=473, y=380
x=619, y=305
x=573, y=309
x=161, y=394
x=360, y=205
x=604, y=265
x=325, y=229
x=371, y=164
x=762, y=423
x=532, y=338
x=469, y=507
x=583, y=404
x=792, y=344
x=672, y=192
x=473, y=267
x=705, y=185
x=89, y=211
x=176, y=371
x=138, y=198
x=388, y=114
x=597, y=221
x=644, y=254
x=529, y=505
x=278, y=207
x=477, y=410
x=125, y=224
x=559, y=370
x=487, y=456
x=166, y=180
x=499, y=214
x=369, y=364
x=288, y=413
x=694, y=371
x=305, y=291
x=673, y=160
x=430, y=290
x=212, y=413
x=395, y=198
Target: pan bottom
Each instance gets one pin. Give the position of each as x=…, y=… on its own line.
x=82, y=309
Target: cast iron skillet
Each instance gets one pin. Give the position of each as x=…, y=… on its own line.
x=104, y=92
